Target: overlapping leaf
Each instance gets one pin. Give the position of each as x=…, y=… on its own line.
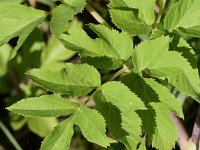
x=43, y=106
x=92, y=129
x=185, y=16
x=19, y=21
x=111, y=44
x=63, y=13
x=74, y=80
x=160, y=102
x=153, y=57
x=55, y=52
x=125, y=16
x=41, y=126
x=117, y=104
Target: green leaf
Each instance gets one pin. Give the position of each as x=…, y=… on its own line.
x=17, y=121
x=162, y=139
x=19, y=21
x=180, y=45
x=143, y=144
x=55, y=52
x=112, y=44
x=60, y=137
x=151, y=91
x=43, y=106
x=74, y=80
x=154, y=58
x=92, y=125
x=160, y=102
x=125, y=16
x=11, y=1
x=41, y=126
x=5, y=51
x=184, y=16
x=146, y=8
x=117, y=104
x=63, y=13
x=129, y=21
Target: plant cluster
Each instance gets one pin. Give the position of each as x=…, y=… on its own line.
x=128, y=84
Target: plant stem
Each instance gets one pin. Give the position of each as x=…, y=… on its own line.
x=183, y=137
x=96, y=15
x=32, y=3
x=9, y=136
x=159, y=15
x=120, y=72
x=196, y=129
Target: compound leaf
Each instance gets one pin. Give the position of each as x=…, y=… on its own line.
x=160, y=102
x=184, y=16
x=74, y=80
x=91, y=123
x=63, y=13
x=43, y=106
x=111, y=44
x=19, y=21
x=154, y=58
x=117, y=104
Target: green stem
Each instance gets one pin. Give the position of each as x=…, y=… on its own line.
x=159, y=14
x=9, y=136
x=120, y=72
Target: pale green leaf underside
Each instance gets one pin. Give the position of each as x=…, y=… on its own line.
x=160, y=102
x=55, y=52
x=146, y=8
x=111, y=43
x=63, y=13
x=92, y=129
x=41, y=126
x=5, y=51
x=43, y=106
x=184, y=15
x=117, y=104
x=74, y=80
x=19, y=21
x=154, y=58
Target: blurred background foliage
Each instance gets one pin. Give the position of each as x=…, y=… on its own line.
x=41, y=50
